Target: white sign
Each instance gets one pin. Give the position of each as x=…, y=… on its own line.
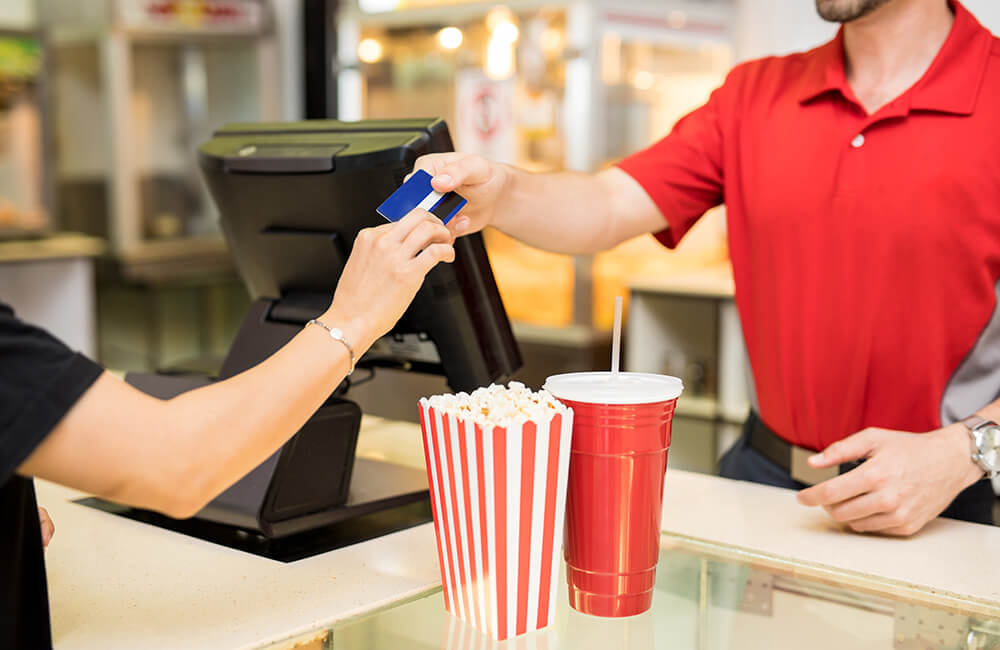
x=485, y=116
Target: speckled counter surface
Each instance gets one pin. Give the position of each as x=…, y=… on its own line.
x=117, y=583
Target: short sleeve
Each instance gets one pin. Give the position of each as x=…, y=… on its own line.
x=682, y=172
x=40, y=381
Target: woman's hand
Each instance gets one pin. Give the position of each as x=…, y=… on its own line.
x=48, y=528
x=382, y=276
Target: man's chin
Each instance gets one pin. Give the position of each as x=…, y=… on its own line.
x=844, y=11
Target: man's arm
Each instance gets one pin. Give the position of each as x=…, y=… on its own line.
x=907, y=480
x=175, y=456
x=566, y=212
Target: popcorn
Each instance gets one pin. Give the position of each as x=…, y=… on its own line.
x=497, y=467
x=499, y=406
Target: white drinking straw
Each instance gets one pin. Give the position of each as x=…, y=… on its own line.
x=616, y=342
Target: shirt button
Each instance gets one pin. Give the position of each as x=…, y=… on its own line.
x=858, y=140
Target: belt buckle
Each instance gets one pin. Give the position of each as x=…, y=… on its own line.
x=803, y=473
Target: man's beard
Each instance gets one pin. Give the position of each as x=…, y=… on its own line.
x=843, y=11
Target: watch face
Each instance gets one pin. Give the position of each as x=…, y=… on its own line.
x=988, y=445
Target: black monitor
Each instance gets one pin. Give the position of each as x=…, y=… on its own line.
x=292, y=198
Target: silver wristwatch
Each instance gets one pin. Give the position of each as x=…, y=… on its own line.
x=985, y=444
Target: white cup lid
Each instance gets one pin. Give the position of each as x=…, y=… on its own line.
x=626, y=388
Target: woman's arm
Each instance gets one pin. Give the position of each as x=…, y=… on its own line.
x=175, y=456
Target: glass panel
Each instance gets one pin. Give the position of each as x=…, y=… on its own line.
x=21, y=182
x=501, y=96
x=180, y=93
x=648, y=88
x=81, y=140
x=703, y=601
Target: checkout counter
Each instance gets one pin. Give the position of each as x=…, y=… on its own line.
x=741, y=566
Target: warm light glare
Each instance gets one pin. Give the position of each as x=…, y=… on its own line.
x=497, y=15
x=499, y=59
x=551, y=40
x=677, y=19
x=506, y=32
x=377, y=6
x=369, y=50
x=642, y=80
x=450, y=38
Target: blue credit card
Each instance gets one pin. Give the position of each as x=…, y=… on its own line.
x=418, y=193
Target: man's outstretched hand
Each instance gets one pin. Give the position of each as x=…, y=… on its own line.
x=907, y=480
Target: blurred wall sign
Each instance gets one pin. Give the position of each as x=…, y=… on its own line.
x=485, y=118
x=208, y=16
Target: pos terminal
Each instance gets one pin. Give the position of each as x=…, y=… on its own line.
x=292, y=198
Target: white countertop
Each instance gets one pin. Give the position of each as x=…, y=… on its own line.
x=117, y=583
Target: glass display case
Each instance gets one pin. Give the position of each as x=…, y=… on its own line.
x=25, y=199
x=138, y=85
x=707, y=597
x=547, y=87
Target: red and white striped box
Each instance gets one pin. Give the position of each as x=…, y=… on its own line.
x=498, y=495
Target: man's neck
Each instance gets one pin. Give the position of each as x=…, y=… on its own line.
x=888, y=50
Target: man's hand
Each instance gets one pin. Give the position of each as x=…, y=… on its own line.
x=907, y=480
x=48, y=528
x=480, y=181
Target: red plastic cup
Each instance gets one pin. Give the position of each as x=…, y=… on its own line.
x=614, y=499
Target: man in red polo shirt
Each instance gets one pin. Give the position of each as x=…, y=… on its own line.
x=862, y=186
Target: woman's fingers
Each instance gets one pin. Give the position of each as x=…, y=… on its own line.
x=432, y=255
x=430, y=231
x=48, y=528
x=397, y=232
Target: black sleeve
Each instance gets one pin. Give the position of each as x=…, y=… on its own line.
x=40, y=380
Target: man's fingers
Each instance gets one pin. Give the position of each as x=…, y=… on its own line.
x=855, y=447
x=891, y=523
x=866, y=505
x=432, y=255
x=459, y=225
x=469, y=170
x=854, y=483
x=434, y=162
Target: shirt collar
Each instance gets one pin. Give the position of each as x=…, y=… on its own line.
x=950, y=85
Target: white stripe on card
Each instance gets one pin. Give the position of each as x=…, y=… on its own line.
x=461, y=487
x=565, y=438
x=449, y=520
x=537, y=524
x=431, y=200
x=491, y=529
x=513, y=524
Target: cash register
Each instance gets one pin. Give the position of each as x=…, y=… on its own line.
x=291, y=199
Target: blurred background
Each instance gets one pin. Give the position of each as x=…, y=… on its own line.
x=108, y=237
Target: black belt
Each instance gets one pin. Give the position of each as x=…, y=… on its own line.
x=791, y=458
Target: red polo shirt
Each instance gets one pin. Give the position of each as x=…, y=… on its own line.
x=865, y=248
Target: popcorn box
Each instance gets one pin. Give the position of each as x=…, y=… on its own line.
x=497, y=465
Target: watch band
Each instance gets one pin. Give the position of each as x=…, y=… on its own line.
x=973, y=423
x=337, y=335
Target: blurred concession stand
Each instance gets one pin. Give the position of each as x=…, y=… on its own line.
x=548, y=87
x=137, y=86
x=46, y=275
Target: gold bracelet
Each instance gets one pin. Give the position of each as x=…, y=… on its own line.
x=337, y=335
